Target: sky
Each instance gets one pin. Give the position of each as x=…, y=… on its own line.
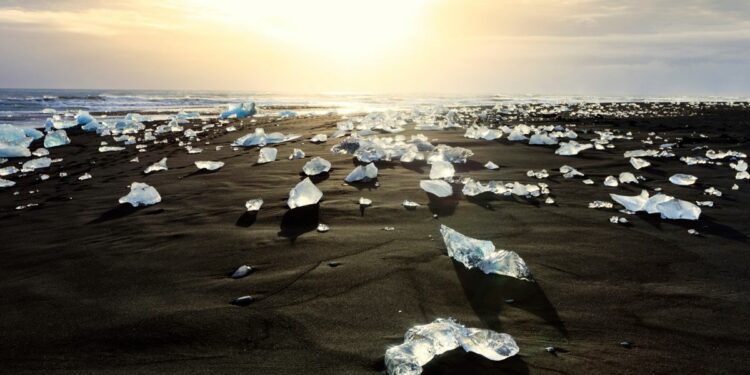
x=552, y=47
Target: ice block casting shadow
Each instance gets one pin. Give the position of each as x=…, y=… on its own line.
x=299, y=221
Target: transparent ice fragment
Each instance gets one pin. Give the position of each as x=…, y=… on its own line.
x=242, y=271
x=267, y=155
x=33, y=164
x=6, y=183
x=84, y=177
x=600, y=204
x=572, y=148
x=362, y=173
x=209, y=165
x=161, y=165
x=611, y=181
x=365, y=201
x=304, y=194
x=322, y=228
x=141, y=194
x=570, y=172
x=438, y=188
x=254, y=204
x=483, y=255
x=56, y=138
x=441, y=170
x=683, y=179
x=316, y=166
x=297, y=154
x=409, y=204
x=239, y=111
x=491, y=165
x=319, y=138
x=628, y=178
x=639, y=163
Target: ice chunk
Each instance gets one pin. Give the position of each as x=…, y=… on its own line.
x=409, y=204
x=669, y=207
x=712, y=191
x=438, y=188
x=11, y=151
x=588, y=181
x=628, y=178
x=209, y=165
x=84, y=177
x=141, y=194
x=569, y=172
x=600, y=204
x=161, y=165
x=441, y=170
x=744, y=175
x=83, y=118
x=40, y=152
x=572, y=148
x=541, y=174
x=267, y=155
x=239, y=111
x=260, y=138
x=363, y=173
x=316, y=166
x=33, y=133
x=297, y=154
x=304, y=194
x=319, y=138
x=678, y=209
x=7, y=171
x=56, y=138
x=6, y=183
x=542, y=139
x=110, y=148
x=683, y=179
x=618, y=220
x=422, y=343
x=33, y=164
x=491, y=165
x=483, y=255
x=611, y=181
x=740, y=166
x=322, y=228
x=242, y=271
x=639, y=163
x=364, y=201
x=632, y=203
x=254, y=204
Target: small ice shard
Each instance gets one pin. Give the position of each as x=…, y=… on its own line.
x=705, y=203
x=362, y=173
x=600, y=204
x=242, y=301
x=740, y=166
x=161, y=165
x=364, y=201
x=611, y=181
x=632, y=203
x=287, y=114
x=588, y=181
x=491, y=165
x=628, y=178
x=542, y=139
x=6, y=183
x=322, y=228
x=572, y=148
x=538, y=174
x=254, y=204
x=473, y=188
x=13, y=151
x=260, y=138
x=683, y=179
x=694, y=232
x=743, y=175
x=7, y=171
x=618, y=220
x=639, y=163
x=409, y=204
x=710, y=191
x=40, y=152
x=193, y=150
x=141, y=194
x=441, y=170
x=316, y=166
x=483, y=255
x=242, y=271
x=319, y=138
x=570, y=172
x=84, y=177
x=549, y=200
x=297, y=154
x=111, y=148
x=304, y=194
x=34, y=164
x=389, y=229
x=422, y=343
x=439, y=188
x=56, y=138
x=735, y=187
x=239, y=111
x=135, y=160
x=209, y=165
x=267, y=155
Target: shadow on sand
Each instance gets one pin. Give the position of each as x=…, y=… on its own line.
x=299, y=221
x=247, y=219
x=487, y=295
x=118, y=212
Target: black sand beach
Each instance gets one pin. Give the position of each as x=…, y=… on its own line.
x=90, y=286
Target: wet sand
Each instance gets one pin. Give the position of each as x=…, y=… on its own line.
x=90, y=286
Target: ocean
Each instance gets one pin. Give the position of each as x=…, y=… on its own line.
x=30, y=107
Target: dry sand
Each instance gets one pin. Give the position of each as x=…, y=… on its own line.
x=89, y=286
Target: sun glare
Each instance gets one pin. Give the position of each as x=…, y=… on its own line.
x=344, y=30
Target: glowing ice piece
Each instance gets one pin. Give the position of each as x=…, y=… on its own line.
x=209, y=165
x=362, y=173
x=441, y=170
x=319, y=138
x=570, y=172
x=316, y=166
x=483, y=255
x=572, y=148
x=161, y=165
x=439, y=188
x=6, y=183
x=297, y=154
x=239, y=111
x=628, y=178
x=304, y=194
x=491, y=165
x=611, y=181
x=83, y=118
x=33, y=164
x=141, y=194
x=683, y=179
x=639, y=163
x=254, y=204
